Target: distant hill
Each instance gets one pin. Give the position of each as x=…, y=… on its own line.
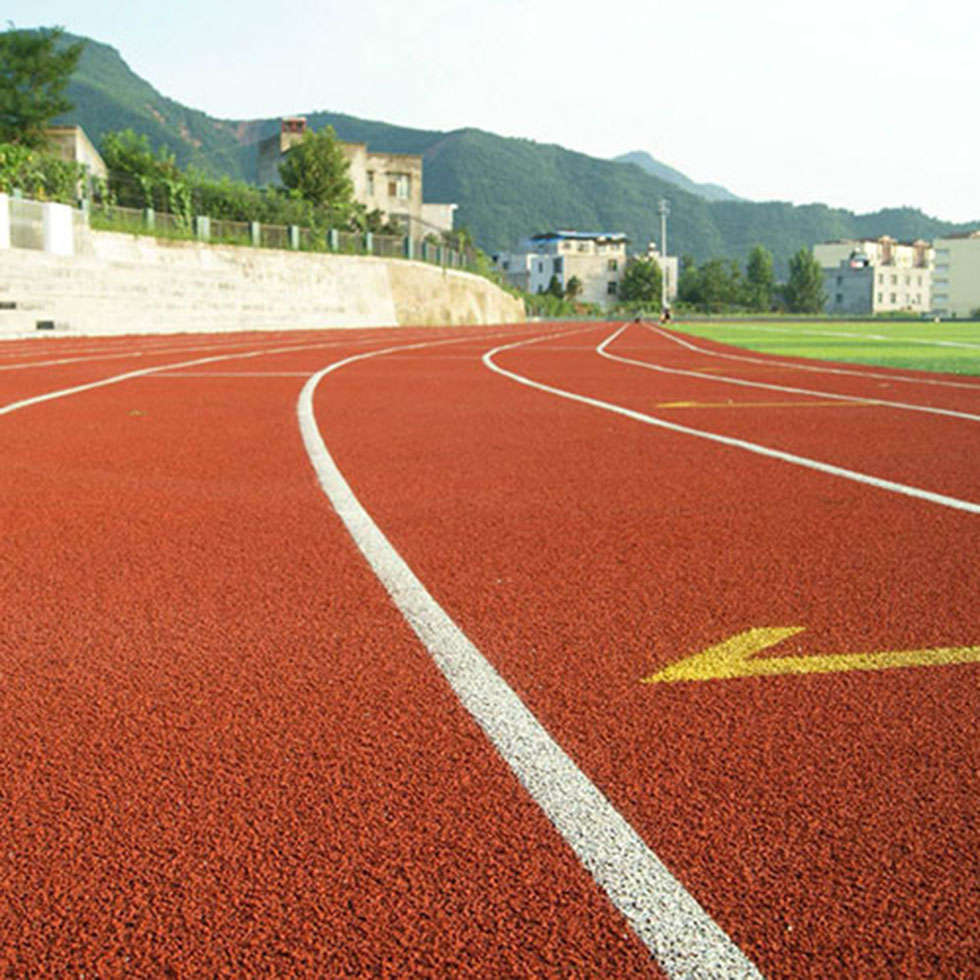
x=507, y=189
x=710, y=192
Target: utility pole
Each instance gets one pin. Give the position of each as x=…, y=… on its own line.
x=664, y=209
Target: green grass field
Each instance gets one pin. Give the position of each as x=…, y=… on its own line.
x=953, y=348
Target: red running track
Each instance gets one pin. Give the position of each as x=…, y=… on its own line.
x=222, y=750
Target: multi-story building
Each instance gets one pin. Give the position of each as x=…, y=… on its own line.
x=595, y=259
x=956, y=276
x=876, y=275
x=387, y=182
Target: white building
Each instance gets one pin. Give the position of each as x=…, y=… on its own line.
x=595, y=259
x=956, y=277
x=876, y=275
x=387, y=182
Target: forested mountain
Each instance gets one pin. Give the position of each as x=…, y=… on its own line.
x=506, y=189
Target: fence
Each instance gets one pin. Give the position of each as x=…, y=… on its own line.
x=109, y=217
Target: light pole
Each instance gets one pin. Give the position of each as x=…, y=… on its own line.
x=664, y=209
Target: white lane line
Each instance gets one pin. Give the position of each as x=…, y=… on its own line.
x=752, y=447
x=111, y=355
x=234, y=374
x=682, y=937
x=772, y=361
x=258, y=352
x=726, y=379
x=143, y=372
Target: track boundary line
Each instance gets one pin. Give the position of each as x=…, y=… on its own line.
x=142, y=372
x=159, y=368
x=753, y=447
x=678, y=932
x=816, y=366
x=725, y=379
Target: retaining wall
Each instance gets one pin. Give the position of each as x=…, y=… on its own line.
x=120, y=283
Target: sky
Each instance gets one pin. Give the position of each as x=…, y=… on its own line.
x=861, y=105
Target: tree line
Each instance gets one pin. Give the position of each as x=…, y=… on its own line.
x=715, y=286
x=720, y=286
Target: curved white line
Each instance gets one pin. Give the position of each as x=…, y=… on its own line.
x=752, y=447
x=725, y=379
x=773, y=361
x=142, y=372
x=682, y=937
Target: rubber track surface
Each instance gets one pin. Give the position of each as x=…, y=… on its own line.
x=222, y=751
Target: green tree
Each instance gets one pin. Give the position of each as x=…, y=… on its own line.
x=140, y=178
x=688, y=282
x=573, y=289
x=34, y=70
x=39, y=175
x=719, y=284
x=554, y=288
x=641, y=283
x=804, y=289
x=759, y=279
x=317, y=170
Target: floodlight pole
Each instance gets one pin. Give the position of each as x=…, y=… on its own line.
x=664, y=209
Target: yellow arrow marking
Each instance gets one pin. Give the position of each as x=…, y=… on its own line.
x=736, y=658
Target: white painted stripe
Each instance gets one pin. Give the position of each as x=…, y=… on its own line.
x=111, y=355
x=752, y=447
x=234, y=374
x=682, y=937
x=258, y=352
x=725, y=379
x=818, y=368
x=143, y=372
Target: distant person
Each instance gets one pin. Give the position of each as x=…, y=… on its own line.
x=665, y=316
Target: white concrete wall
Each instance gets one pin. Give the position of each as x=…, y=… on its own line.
x=59, y=231
x=127, y=283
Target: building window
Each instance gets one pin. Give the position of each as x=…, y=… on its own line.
x=892, y=297
x=613, y=265
x=840, y=299
x=881, y=278
x=557, y=264
x=881, y=297
x=540, y=267
x=894, y=280
x=612, y=287
x=399, y=186
x=370, y=183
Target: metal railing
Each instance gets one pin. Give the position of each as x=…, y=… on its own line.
x=110, y=217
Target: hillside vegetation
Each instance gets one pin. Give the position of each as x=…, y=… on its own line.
x=506, y=188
